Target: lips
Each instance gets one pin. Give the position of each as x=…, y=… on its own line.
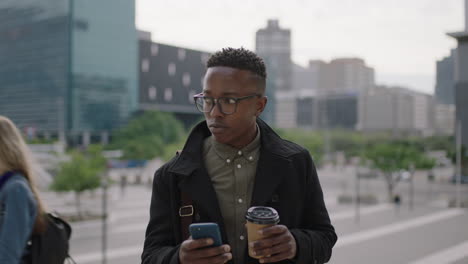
x=217, y=128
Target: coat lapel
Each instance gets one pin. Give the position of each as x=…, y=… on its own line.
x=199, y=187
x=271, y=171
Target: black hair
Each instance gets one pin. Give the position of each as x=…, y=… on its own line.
x=241, y=59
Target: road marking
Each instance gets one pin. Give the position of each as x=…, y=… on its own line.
x=446, y=256
x=397, y=227
x=363, y=211
x=111, y=254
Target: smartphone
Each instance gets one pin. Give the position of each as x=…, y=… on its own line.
x=206, y=230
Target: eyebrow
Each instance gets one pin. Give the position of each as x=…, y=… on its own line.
x=223, y=94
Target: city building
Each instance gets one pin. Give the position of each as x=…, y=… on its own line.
x=461, y=79
x=169, y=78
x=445, y=82
x=273, y=44
x=333, y=111
x=343, y=75
x=444, y=119
x=398, y=110
x=67, y=69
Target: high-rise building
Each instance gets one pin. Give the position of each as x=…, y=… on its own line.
x=273, y=44
x=461, y=79
x=445, y=83
x=67, y=67
x=169, y=78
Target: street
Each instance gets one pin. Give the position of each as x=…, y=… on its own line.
x=429, y=233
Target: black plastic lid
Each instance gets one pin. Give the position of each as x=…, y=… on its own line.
x=262, y=215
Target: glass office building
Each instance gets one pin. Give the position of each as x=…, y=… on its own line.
x=68, y=66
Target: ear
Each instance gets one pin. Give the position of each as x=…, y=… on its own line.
x=261, y=104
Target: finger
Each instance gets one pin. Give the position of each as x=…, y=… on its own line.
x=197, y=243
x=220, y=259
x=278, y=249
x=269, y=241
x=209, y=252
x=273, y=230
x=277, y=257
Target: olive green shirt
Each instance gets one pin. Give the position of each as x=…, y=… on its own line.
x=232, y=173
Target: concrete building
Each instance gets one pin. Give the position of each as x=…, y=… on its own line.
x=444, y=119
x=169, y=78
x=445, y=80
x=69, y=68
x=342, y=75
x=461, y=79
x=273, y=44
x=386, y=110
x=286, y=112
x=336, y=111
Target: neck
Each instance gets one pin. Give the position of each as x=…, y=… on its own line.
x=249, y=137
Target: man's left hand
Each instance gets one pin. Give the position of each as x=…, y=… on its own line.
x=278, y=244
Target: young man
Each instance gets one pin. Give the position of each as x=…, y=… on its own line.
x=230, y=162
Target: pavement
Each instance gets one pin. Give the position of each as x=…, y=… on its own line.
x=429, y=232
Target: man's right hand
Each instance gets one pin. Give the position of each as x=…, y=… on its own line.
x=197, y=252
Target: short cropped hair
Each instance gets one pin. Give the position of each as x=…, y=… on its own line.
x=241, y=59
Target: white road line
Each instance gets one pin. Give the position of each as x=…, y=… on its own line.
x=363, y=211
x=446, y=256
x=397, y=227
x=111, y=254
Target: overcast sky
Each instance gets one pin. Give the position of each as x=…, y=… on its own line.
x=400, y=39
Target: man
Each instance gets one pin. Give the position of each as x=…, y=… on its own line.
x=230, y=162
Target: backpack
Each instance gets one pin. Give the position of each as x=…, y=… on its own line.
x=52, y=245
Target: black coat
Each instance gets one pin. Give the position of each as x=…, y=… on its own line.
x=286, y=180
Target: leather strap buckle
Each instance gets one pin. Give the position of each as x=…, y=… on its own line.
x=186, y=211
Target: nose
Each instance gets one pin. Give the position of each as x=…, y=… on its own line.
x=216, y=112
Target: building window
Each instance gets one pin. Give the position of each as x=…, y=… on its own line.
x=181, y=54
x=145, y=65
x=154, y=49
x=190, y=96
x=168, y=94
x=171, y=69
x=152, y=92
x=186, y=79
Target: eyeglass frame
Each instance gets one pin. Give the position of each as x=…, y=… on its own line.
x=215, y=102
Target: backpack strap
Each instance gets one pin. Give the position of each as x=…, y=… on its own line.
x=4, y=178
x=186, y=212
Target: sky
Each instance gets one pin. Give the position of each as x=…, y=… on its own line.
x=400, y=39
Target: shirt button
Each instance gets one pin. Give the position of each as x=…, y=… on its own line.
x=240, y=200
x=240, y=152
x=228, y=161
x=239, y=166
x=242, y=237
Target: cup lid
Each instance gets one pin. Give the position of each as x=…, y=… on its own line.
x=262, y=215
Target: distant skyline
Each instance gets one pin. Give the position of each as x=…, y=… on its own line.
x=400, y=39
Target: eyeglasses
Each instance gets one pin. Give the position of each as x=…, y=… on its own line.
x=226, y=105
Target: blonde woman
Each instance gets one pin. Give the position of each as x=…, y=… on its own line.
x=21, y=210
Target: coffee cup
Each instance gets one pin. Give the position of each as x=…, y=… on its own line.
x=259, y=217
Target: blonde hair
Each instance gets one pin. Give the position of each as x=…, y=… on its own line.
x=15, y=156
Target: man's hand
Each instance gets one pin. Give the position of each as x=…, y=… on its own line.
x=196, y=252
x=278, y=244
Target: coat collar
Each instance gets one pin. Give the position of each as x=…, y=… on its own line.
x=273, y=166
x=272, y=146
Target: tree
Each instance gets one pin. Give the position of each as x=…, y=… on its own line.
x=79, y=174
x=146, y=136
x=390, y=158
